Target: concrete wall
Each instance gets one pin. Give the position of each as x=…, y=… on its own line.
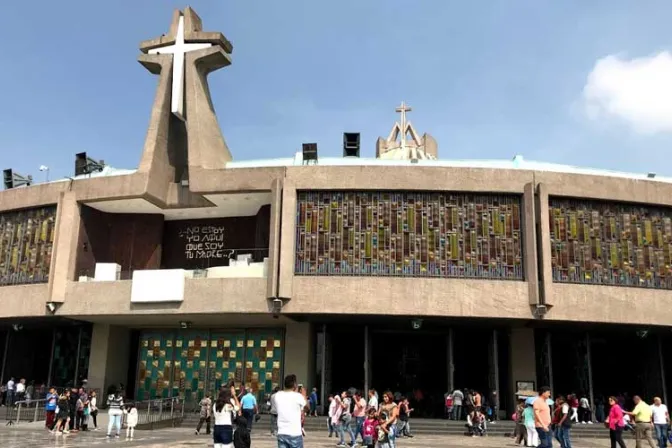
x=110, y=350
x=300, y=353
x=448, y=297
x=522, y=358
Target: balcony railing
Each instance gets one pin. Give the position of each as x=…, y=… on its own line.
x=227, y=258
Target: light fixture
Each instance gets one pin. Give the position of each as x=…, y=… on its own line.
x=184, y=182
x=17, y=327
x=185, y=324
x=45, y=168
x=416, y=324
x=276, y=307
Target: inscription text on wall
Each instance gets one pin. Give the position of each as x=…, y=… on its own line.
x=204, y=242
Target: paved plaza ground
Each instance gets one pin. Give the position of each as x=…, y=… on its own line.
x=26, y=437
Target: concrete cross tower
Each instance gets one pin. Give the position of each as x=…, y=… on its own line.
x=397, y=146
x=183, y=135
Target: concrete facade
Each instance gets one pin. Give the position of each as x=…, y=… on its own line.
x=184, y=161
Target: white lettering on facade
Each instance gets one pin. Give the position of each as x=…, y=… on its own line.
x=204, y=242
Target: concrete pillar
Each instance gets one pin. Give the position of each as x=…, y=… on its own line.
x=110, y=352
x=530, y=244
x=544, y=246
x=287, y=243
x=522, y=361
x=274, y=239
x=300, y=353
x=64, y=255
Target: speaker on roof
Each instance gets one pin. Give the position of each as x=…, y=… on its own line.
x=351, y=144
x=13, y=180
x=309, y=153
x=86, y=165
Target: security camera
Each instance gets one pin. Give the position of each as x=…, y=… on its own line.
x=416, y=324
x=51, y=306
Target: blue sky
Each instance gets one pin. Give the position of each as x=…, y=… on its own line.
x=488, y=79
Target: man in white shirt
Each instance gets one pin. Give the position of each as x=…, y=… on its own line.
x=458, y=396
x=373, y=400
x=661, y=421
x=290, y=406
x=10, y=391
x=21, y=390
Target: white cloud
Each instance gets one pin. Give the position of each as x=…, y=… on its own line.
x=638, y=91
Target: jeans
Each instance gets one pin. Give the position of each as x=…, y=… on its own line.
x=359, y=428
x=457, y=412
x=661, y=434
x=249, y=416
x=545, y=438
x=392, y=435
x=290, y=441
x=562, y=436
x=115, y=421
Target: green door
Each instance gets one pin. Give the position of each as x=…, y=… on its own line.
x=190, y=365
x=263, y=361
x=155, y=365
x=225, y=359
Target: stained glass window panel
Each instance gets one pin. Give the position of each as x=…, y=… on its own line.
x=610, y=243
x=26, y=240
x=409, y=234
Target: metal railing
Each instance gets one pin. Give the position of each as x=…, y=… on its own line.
x=26, y=411
x=160, y=412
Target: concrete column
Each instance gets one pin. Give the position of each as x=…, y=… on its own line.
x=274, y=239
x=530, y=244
x=522, y=360
x=300, y=353
x=287, y=243
x=64, y=255
x=110, y=352
x=544, y=247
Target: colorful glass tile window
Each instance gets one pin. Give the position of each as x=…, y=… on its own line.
x=409, y=234
x=26, y=241
x=609, y=243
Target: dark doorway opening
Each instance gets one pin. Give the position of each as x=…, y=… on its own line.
x=471, y=349
x=347, y=358
x=639, y=373
x=413, y=364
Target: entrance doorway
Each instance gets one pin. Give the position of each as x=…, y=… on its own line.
x=412, y=364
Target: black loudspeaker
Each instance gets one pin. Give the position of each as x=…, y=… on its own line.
x=309, y=152
x=8, y=178
x=80, y=164
x=351, y=144
x=13, y=180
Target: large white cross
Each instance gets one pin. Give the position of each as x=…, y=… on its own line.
x=178, y=49
x=403, y=109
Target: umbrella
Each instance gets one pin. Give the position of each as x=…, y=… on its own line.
x=529, y=401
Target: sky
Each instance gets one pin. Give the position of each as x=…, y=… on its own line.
x=585, y=83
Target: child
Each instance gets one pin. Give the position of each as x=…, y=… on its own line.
x=131, y=420
x=241, y=436
x=383, y=432
x=370, y=429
